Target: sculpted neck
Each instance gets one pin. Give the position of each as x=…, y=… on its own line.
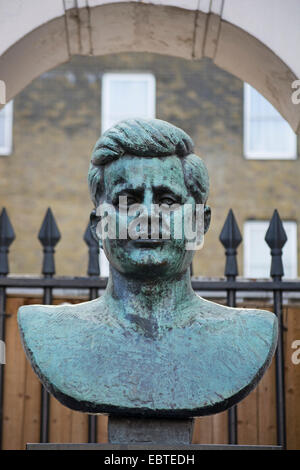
x=160, y=302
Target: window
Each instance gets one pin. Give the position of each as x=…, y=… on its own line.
x=6, y=121
x=125, y=95
x=266, y=134
x=257, y=257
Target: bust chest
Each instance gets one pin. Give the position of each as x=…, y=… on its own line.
x=105, y=367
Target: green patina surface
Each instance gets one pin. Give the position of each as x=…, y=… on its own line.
x=149, y=346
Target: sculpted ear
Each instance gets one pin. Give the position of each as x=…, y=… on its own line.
x=207, y=217
x=94, y=220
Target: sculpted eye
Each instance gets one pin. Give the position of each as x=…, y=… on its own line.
x=167, y=200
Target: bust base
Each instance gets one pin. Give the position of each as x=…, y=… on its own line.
x=149, y=431
x=147, y=447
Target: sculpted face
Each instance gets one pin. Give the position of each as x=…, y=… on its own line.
x=146, y=181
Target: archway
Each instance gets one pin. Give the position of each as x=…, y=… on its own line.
x=93, y=28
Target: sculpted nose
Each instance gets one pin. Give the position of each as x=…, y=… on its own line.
x=148, y=200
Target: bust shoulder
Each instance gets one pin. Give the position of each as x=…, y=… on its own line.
x=46, y=316
x=217, y=317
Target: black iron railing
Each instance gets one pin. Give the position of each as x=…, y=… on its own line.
x=230, y=237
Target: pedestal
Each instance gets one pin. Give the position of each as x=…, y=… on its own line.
x=150, y=431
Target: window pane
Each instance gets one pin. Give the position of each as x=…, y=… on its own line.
x=127, y=96
x=266, y=133
x=2, y=128
x=271, y=136
x=257, y=257
x=6, y=118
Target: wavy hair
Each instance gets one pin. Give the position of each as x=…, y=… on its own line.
x=147, y=138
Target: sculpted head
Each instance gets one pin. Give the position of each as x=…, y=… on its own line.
x=149, y=162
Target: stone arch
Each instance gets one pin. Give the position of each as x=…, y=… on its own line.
x=146, y=27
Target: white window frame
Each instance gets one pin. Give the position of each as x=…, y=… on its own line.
x=260, y=155
x=6, y=149
x=106, y=81
x=247, y=252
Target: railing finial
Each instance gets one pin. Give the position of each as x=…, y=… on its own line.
x=230, y=237
x=93, y=263
x=276, y=238
x=7, y=236
x=49, y=236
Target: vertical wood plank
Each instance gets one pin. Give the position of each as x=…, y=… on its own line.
x=60, y=422
x=14, y=380
x=248, y=419
x=31, y=427
x=102, y=436
x=220, y=428
x=292, y=377
x=79, y=427
x=203, y=430
x=266, y=403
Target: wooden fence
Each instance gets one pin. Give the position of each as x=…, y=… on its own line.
x=256, y=414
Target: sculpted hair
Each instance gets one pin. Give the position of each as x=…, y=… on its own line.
x=147, y=138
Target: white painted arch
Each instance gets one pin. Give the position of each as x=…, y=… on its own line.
x=255, y=40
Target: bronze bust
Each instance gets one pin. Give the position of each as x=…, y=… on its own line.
x=149, y=346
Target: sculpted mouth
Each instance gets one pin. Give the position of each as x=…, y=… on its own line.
x=148, y=242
